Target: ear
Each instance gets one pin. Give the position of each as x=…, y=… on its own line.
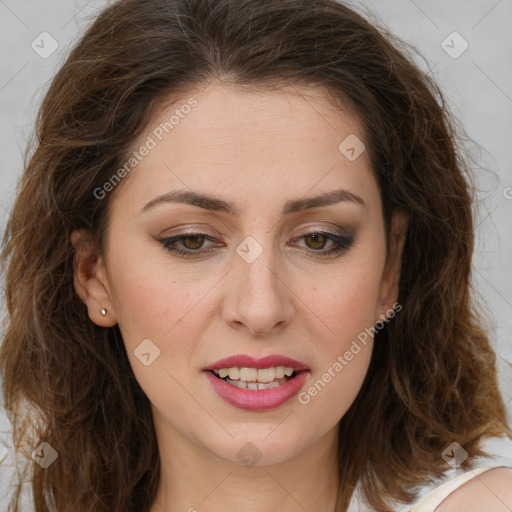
x=389, y=286
x=90, y=279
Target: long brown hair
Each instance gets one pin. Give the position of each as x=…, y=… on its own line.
x=432, y=378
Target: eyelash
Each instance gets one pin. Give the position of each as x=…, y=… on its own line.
x=342, y=243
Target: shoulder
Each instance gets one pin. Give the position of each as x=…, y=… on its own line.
x=491, y=490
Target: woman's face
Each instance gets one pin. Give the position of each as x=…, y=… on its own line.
x=212, y=254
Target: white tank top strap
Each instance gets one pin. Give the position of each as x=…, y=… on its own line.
x=432, y=500
x=430, y=495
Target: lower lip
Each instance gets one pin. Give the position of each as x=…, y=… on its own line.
x=260, y=400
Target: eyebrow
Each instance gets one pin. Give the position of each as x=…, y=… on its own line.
x=213, y=203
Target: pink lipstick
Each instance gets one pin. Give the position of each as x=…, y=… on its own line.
x=257, y=384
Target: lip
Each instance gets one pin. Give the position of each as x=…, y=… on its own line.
x=261, y=400
x=257, y=400
x=245, y=361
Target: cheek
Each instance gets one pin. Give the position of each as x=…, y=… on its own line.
x=155, y=300
x=343, y=357
x=347, y=305
x=157, y=304
x=348, y=300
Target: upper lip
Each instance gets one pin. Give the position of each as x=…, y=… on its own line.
x=246, y=361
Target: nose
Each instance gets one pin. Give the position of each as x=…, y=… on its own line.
x=258, y=300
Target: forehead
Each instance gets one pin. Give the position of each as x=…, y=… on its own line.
x=226, y=116
x=272, y=143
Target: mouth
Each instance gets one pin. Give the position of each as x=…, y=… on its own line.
x=257, y=384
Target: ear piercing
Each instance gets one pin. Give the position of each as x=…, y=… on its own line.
x=104, y=312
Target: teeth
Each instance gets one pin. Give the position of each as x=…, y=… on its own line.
x=280, y=371
x=254, y=386
x=249, y=374
x=266, y=375
x=234, y=373
x=254, y=375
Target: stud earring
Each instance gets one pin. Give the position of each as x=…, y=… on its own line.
x=104, y=312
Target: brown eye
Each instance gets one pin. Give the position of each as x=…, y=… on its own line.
x=193, y=242
x=316, y=240
x=191, y=245
x=188, y=244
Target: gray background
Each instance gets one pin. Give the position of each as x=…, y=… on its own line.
x=477, y=84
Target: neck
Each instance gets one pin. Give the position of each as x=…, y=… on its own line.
x=193, y=479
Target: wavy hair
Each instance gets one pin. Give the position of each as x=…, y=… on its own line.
x=432, y=378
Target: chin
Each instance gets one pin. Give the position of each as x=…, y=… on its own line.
x=258, y=447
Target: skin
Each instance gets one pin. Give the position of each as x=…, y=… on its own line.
x=257, y=151
x=488, y=491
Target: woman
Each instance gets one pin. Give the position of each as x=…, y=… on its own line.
x=239, y=272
